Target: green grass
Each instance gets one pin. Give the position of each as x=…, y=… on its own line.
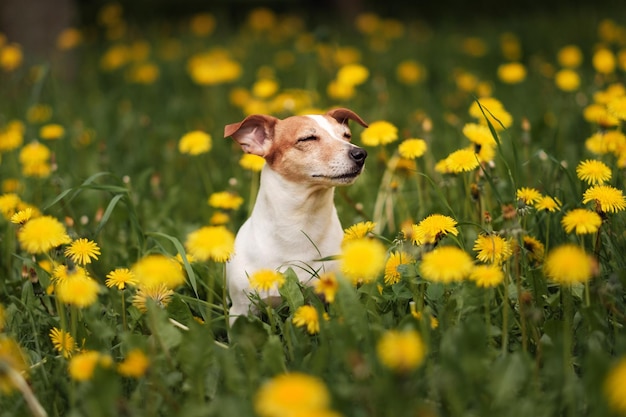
x=529, y=346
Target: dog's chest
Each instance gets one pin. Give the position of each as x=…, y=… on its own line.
x=259, y=247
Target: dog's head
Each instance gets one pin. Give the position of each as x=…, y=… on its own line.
x=305, y=149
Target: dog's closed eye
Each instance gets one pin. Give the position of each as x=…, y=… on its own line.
x=309, y=138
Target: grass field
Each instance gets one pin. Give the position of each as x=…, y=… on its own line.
x=482, y=273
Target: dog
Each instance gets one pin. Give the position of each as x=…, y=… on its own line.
x=294, y=220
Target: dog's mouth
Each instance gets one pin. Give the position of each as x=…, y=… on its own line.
x=346, y=177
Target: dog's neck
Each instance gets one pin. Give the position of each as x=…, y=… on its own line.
x=289, y=203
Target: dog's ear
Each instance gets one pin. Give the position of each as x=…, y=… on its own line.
x=342, y=115
x=254, y=133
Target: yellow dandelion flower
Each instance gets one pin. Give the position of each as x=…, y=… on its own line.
x=479, y=134
x=466, y=81
x=82, y=251
x=10, y=185
x=134, y=365
x=11, y=57
x=251, y=162
x=265, y=279
x=12, y=358
x=215, y=243
x=593, y=172
x=528, y=195
x=474, y=46
x=145, y=73
x=219, y=218
x=358, y=231
x=512, y=73
x=608, y=199
x=599, y=114
x=570, y=56
x=195, y=143
x=338, y=91
x=392, y=275
x=485, y=153
x=39, y=113
x=327, y=286
x=442, y=167
x=568, y=264
x=494, y=111
x=615, y=386
x=462, y=160
x=352, y=74
x=306, y=316
x=265, y=88
x=41, y=234
x=534, y=248
x=115, y=57
x=9, y=204
x=12, y=137
x=605, y=142
x=362, y=260
x=83, y=365
x=262, y=19
x=225, y=200
x=548, y=203
x=487, y=276
x=603, y=61
x=406, y=166
x=213, y=67
x=368, y=23
x=379, y=133
x=156, y=269
x=68, y=39
x=567, y=80
x=22, y=216
x=433, y=228
x=582, y=221
x=63, y=342
x=446, y=264
x=37, y=170
x=202, y=24
x=401, y=351
x=412, y=148
x=611, y=92
x=410, y=72
x=77, y=289
x=34, y=153
x=51, y=131
x=61, y=273
x=291, y=394
x=120, y=278
x=158, y=294
x=492, y=248
x=617, y=107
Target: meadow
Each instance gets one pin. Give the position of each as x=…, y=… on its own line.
x=482, y=270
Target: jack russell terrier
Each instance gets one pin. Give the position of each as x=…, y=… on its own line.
x=294, y=220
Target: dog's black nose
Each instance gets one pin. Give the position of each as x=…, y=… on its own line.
x=358, y=155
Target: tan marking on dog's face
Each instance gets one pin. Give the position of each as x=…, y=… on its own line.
x=313, y=149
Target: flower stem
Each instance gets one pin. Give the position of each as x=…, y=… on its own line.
x=124, y=325
x=566, y=299
x=505, y=316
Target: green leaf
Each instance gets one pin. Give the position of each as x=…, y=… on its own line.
x=291, y=291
